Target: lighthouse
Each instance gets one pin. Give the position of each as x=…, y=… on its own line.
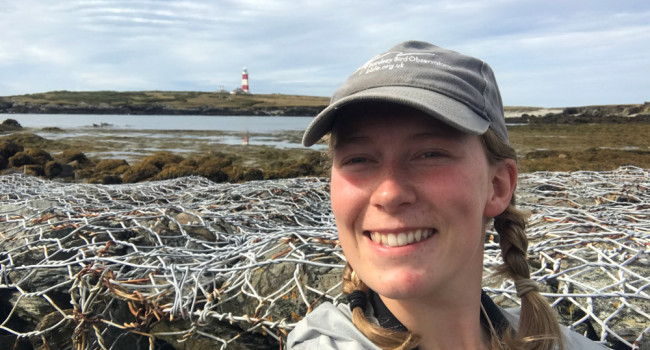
x=244, y=81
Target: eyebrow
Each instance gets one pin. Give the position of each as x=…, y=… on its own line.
x=351, y=139
x=434, y=134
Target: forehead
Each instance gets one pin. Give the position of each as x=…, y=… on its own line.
x=365, y=119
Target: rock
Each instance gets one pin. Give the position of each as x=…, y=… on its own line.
x=9, y=148
x=27, y=140
x=81, y=173
x=53, y=169
x=5, y=104
x=34, y=170
x=105, y=179
x=76, y=165
x=253, y=175
x=216, y=175
x=20, y=159
x=67, y=171
x=110, y=165
x=39, y=156
x=222, y=329
x=68, y=156
x=140, y=172
x=10, y=125
x=188, y=218
x=59, y=337
x=172, y=171
x=30, y=157
x=161, y=159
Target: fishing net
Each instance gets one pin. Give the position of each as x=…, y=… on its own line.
x=189, y=263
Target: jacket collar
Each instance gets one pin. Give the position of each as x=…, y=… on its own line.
x=387, y=320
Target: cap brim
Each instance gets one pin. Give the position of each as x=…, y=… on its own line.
x=439, y=106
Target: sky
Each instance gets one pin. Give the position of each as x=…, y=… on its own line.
x=552, y=53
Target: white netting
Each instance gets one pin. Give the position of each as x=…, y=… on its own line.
x=590, y=243
x=169, y=260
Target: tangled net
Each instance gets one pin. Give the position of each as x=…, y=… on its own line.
x=191, y=261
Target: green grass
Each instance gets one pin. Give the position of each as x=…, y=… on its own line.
x=172, y=99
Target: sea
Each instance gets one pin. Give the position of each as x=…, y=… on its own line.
x=253, y=124
x=132, y=136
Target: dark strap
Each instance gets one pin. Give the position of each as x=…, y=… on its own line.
x=383, y=315
x=388, y=320
x=499, y=321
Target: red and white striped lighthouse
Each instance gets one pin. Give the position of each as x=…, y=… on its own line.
x=244, y=81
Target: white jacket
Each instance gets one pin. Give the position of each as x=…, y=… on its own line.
x=330, y=327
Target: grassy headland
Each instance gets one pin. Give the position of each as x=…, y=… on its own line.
x=174, y=99
x=224, y=103
x=161, y=102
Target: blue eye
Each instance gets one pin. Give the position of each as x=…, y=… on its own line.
x=356, y=160
x=432, y=155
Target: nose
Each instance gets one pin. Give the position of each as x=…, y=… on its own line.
x=393, y=189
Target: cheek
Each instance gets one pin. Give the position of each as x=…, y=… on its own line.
x=347, y=199
x=348, y=208
x=337, y=195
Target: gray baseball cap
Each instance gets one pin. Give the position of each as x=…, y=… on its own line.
x=459, y=90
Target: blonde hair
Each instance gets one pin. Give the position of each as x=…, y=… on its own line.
x=538, y=326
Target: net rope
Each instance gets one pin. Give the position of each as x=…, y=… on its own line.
x=192, y=250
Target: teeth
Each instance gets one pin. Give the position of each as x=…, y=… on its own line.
x=400, y=239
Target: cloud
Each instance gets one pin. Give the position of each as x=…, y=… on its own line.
x=544, y=53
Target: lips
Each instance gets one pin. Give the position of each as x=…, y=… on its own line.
x=400, y=239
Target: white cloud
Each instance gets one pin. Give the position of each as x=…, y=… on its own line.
x=543, y=52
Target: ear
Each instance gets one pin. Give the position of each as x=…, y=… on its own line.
x=503, y=180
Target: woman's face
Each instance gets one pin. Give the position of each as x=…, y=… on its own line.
x=410, y=197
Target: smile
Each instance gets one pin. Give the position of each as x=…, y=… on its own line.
x=400, y=239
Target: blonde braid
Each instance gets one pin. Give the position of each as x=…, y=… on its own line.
x=538, y=325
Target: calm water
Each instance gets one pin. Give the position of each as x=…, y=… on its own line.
x=162, y=122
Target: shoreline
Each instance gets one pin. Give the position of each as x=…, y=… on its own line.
x=126, y=156
x=224, y=104
x=576, y=139
x=288, y=111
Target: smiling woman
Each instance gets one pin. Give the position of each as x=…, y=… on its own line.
x=420, y=165
x=398, y=173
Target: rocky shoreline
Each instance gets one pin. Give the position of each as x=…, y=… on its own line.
x=11, y=108
x=88, y=158
x=182, y=103
x=588, y=114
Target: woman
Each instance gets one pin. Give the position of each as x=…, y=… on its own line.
x=420, y=165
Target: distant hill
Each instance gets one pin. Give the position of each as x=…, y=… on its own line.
x=221, y=103
x=162, y=102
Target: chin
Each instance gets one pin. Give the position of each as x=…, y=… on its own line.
x=405, y=286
